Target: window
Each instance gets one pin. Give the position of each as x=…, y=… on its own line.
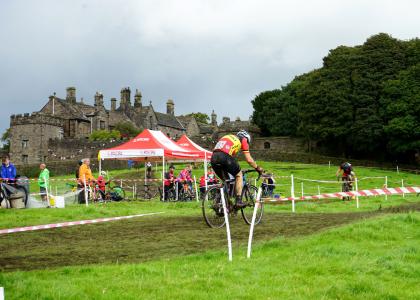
x=24, y=144
x=102, y=125
x=60, y=133
x=267, y=145
x=25, y=159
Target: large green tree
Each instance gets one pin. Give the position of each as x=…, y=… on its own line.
x=344, y=106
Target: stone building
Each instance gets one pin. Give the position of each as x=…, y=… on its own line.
x=68, y=119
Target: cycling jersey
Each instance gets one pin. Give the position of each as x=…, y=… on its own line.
x=347, y=169
x=185, y=175
x=231, y=144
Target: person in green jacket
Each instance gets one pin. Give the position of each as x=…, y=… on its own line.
x=44, y=181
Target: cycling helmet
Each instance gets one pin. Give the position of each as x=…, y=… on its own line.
x=244, y=134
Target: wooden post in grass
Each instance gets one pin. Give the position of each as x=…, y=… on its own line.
x=227, y=224
x=254, y=215
x=292, y=191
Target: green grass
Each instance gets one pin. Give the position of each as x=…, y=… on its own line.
x=371, y=259
x=13, y=218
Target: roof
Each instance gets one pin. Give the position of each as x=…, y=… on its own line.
x=185, y=142
x=205, y=128
x=74, y=112
x=184, y=120
x=168, y=121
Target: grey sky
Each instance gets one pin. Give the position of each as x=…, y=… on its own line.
x=204, y=54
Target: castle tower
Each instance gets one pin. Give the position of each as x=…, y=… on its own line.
x=213, y=118
x=170, y=107
x=113, y=104
x=99, y=100
x=137, y=101
x=71, y=95
x=125, y=98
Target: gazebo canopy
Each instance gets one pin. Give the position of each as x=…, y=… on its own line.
x=150, y=145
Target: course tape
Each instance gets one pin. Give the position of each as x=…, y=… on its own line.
x=362, y=193
x=72, y=223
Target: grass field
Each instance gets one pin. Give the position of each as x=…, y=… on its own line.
x=326, y=250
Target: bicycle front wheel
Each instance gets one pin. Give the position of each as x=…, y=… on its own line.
x=249, y=196
x=212, y=208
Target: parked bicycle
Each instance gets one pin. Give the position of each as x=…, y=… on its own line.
x=212, y=206
x=147, y=191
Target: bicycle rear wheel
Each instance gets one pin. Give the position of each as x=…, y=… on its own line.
x=212, y=208
x=143, y=193
x=249, y=196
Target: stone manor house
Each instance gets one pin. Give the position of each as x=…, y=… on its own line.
x=69, y=119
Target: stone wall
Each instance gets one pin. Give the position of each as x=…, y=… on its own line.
x=74, y=150
x=29, y=135
x=283, y=144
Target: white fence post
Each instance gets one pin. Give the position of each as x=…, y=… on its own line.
x=402, y=185
x=196, y=191
x=329, y=164
x=319, y=191
x=254, y=215
x=357, y=190
x=386, y=186
x=86, y=192
x=301, y=186
x=292, y=191
x=227, y=225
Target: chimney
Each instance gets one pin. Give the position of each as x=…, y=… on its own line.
x=226, y=120
x=99, y=100
x=137, y=100
x=170, y=107
x=113, y=104
x=71, y=94
x=213, y=118
x=125, y=98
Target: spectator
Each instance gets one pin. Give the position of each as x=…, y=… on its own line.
x=8, y=170
x=85, y=177
x=268, y=185
x=148, y=170
x=101, y=184
x=78, y=168
x=211, y=177
x=169, y=180
x=43, y=182
x=184, y=177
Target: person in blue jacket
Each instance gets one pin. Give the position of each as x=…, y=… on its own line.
x=8, y=170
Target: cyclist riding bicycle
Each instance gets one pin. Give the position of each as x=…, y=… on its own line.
x=224, y=162
x=184, y=177
x=347, y=171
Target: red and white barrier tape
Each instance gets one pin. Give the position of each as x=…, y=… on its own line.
x=362, y=193
x=72, y=223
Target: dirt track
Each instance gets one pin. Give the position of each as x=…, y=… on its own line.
x=149, y=238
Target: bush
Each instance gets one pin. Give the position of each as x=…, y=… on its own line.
x=105, y=135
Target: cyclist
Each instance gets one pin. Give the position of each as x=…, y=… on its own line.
x=224, y=162
x=347, y=171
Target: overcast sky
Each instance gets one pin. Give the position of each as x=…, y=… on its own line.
x=204, y=54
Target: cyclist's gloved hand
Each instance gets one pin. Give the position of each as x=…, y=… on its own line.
x=259, y=170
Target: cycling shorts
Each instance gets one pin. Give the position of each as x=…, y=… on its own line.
x=224, y=164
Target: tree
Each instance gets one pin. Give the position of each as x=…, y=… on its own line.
x=105, y=135
x=200, y=117
x=127, y=129
x=5, y=139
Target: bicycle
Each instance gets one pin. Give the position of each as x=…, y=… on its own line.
x=185, y=193
x=346, y=186
x=212, y=206
x=147, y=191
